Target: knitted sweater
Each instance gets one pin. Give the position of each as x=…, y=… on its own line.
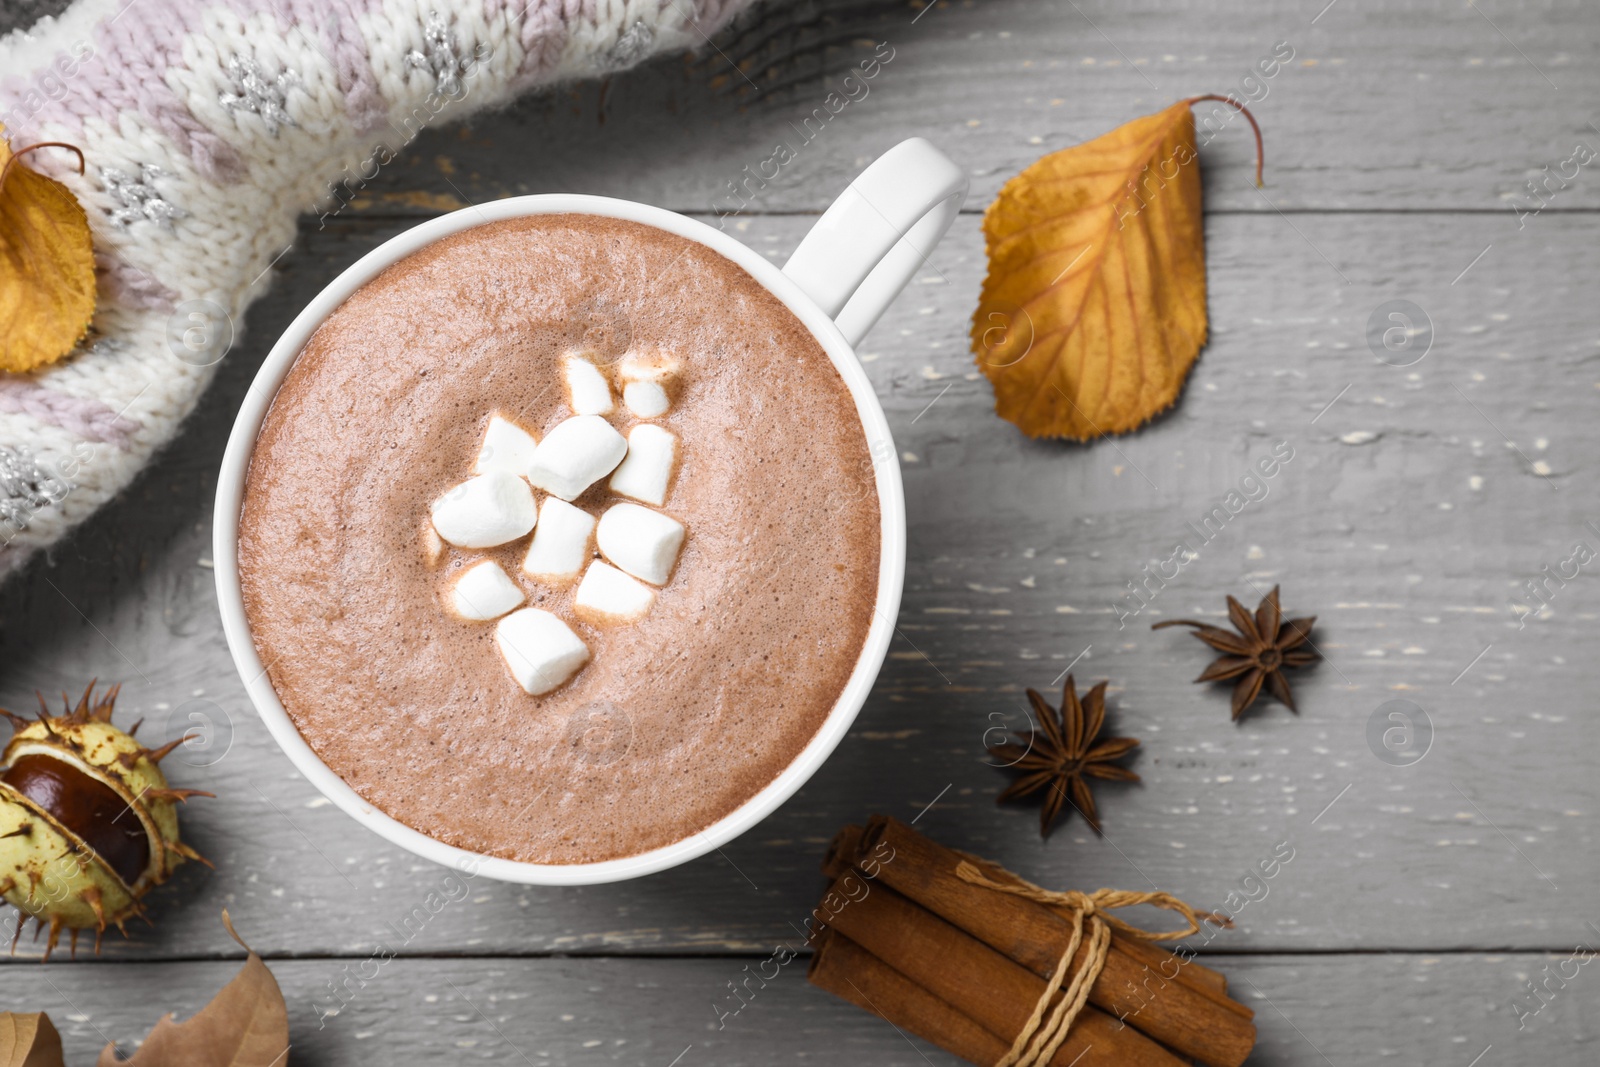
x=209, y=126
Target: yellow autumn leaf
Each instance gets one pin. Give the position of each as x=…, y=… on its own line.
x=1094, y=308
x=46, y=264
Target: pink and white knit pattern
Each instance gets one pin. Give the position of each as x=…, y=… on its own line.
x=209, y=127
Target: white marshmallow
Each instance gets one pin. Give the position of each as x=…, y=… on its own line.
x=646, y=471
x=540, y=649
x=642, y=542
x=560, y=541
x=506, y=447
x=484, y=591
x=648, y=367
x=588, y=391
x=485, y=511
x=575, y=455
x=432, y=546
x=647, y=378
x=645, y=399
x=608, y=595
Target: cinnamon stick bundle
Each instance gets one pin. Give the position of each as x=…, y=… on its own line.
x=952, y=960
x=1189, y=1017
x=881, y=830
x=978, y=981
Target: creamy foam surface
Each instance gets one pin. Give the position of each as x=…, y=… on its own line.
x=679, y=717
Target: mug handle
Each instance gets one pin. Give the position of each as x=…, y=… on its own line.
x=870, y=241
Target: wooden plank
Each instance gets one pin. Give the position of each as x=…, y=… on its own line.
x=1419, y=501
x=1020, y=553
x=1426, y=105
x=1309, y=1009
x=1422, y=105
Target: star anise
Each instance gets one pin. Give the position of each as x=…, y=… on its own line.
x=1257, y=655
x=1061, y=752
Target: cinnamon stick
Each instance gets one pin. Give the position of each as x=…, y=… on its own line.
x=997, y=993
x=851, y=973
x=1202, y=977
x=842, y=851
x=1191, y=1018
x=1212, y=983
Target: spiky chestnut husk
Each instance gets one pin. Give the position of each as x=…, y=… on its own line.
x=88, y=825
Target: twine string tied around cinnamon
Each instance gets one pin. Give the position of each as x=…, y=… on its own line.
x=1040, y=1037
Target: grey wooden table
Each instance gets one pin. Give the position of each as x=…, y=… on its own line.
x=1424, y=893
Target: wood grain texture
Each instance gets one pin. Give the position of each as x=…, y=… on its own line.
x=1425, y=105
x=1418, y=501
x=1020, y=555
x=1358, y=1009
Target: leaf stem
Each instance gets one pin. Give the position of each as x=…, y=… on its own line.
x=1260, y=151
x=4, y=171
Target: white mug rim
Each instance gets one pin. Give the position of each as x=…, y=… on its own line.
x=230, y=497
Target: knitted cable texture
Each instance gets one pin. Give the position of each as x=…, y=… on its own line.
x=210, y=126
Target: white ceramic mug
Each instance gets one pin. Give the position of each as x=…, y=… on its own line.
x=855, y=260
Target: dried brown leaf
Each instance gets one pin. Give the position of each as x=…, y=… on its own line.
x=245, y=1025
x=29, y=1040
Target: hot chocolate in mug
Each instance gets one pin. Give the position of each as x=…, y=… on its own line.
x=850, y=266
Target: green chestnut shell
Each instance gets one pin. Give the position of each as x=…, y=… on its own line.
x=88, y=824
